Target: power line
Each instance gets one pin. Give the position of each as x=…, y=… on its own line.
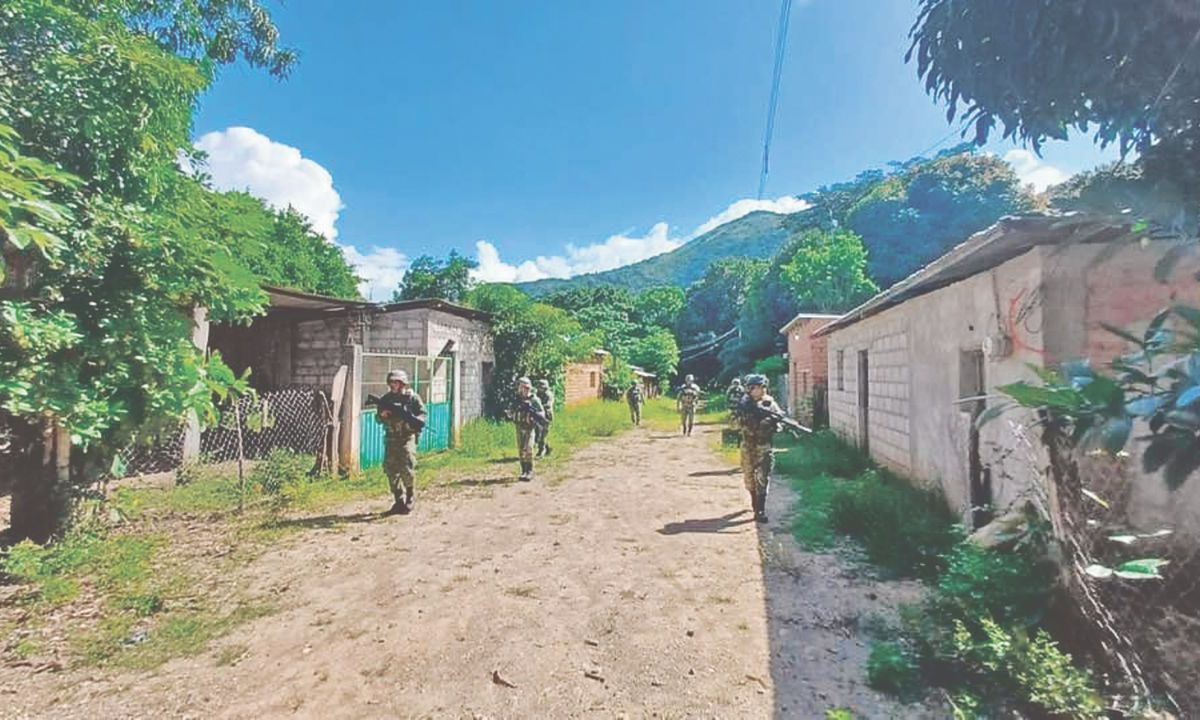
x=785, y=12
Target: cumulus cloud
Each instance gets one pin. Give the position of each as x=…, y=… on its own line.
x=617, y=250
x=1032, y=170
x=241, y=158
x=614, y=252
x=784, y=205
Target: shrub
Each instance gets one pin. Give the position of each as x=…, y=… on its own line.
x=891, y=668
x=1013, y=587
x=280, y=469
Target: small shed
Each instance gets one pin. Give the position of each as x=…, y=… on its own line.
x=808, y=369
x=306, y=340
x=585, y=379
x=648, y=381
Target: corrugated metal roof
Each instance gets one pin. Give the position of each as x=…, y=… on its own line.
x=989, y=248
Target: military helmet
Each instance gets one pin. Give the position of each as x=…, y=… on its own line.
x=689, y=378
x=544, y=384
x=398, y=375
x=756, y=379
x=524, y=381
x=736, y=381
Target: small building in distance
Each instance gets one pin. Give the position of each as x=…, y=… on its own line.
x=807, y=373
x=584, y=379
x=913, y=368
x=647, y=380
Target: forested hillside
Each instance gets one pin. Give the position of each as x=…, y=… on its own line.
x=759, y=234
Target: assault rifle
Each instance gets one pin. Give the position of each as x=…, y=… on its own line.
x=539, y=418
x=398, y=410
x=789, y=424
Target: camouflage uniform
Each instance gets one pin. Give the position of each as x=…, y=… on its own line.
x=400, y=445
x=546, y=396
x=757, y=458
x=733, y=397
x=634, y=397
x=689, y=398
x=526, y=427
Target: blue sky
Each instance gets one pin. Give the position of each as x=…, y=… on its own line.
x=583, y=134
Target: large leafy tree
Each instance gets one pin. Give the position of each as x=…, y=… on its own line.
x=657, y=352
x=96, y=337
x=429, y=278
x=829, y=271
x=1127, y=72
x=529, y=338
x=659, y=306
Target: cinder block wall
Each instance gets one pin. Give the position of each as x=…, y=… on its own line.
x=806, y=354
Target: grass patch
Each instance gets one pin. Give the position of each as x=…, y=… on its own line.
x=119, y=564
x=978, y=632
x=123, y=641
x=902, y=529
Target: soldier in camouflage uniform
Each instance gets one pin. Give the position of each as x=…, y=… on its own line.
x=757, y=432
x=733, y=398
x=634, y=397
x=526, y=422
x=546, y=396
x=689, y=398
x=400, y=441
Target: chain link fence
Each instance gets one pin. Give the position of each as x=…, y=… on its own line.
x=295, y=418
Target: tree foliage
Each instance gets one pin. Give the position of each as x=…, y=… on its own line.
x=96, y=334
x=528, y=338
x=427, y=277
x=656, y=352
x=1128, y=72
x=829, y=271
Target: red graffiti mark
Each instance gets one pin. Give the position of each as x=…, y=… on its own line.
x=1020, y=314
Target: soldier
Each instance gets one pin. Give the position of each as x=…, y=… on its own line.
x=689, y=398
x=634, y=397
x=400, y=439
x=757, y=432
x=526, y=413
x=733, y=397
x=546, y=396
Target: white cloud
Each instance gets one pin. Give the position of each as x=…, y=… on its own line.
x=241, y=158
x=1032, y=170
x=784, y=205
x=616, y=251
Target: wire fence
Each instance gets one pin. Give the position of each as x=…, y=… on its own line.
x=295, y=418
x=1145, y=633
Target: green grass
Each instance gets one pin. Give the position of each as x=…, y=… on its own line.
x=902, y=529
x=118, y=564
x=124, y=641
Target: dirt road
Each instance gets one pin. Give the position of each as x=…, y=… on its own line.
x=632, y=582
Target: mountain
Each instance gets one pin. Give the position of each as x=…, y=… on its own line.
x=757, y=235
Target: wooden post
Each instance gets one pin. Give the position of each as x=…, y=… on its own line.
x=191, y=435
x=350, y=438
x=237, y=416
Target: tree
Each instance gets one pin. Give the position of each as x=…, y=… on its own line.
x=437, y=279
x=1129, y=71
x=658, y=307
x=528, y=338
x=713, y=303
x=658, y=353
x=828, y=272
x=606, y=310
x=97, y=341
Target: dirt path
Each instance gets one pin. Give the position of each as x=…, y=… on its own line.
x=638, y=586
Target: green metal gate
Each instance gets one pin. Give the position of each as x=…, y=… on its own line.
x=431, y=377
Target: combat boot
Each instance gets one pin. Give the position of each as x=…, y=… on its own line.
x=548, y=449
x=399, y=507
x=526, y=471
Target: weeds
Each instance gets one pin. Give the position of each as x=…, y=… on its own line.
x=977, y=633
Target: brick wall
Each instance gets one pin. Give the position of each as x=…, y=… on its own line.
x=584, y=381
x=808, y=366
x=318, y=349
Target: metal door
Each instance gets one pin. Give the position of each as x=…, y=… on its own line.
x=431, y=377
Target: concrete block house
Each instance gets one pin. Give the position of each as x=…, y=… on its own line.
x=584, y=379
x=306, y=340
x=908, y=368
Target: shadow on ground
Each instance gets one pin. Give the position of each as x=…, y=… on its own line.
x=318, y=522
x=720, y=524
x=715, y=473
x=483, y=482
